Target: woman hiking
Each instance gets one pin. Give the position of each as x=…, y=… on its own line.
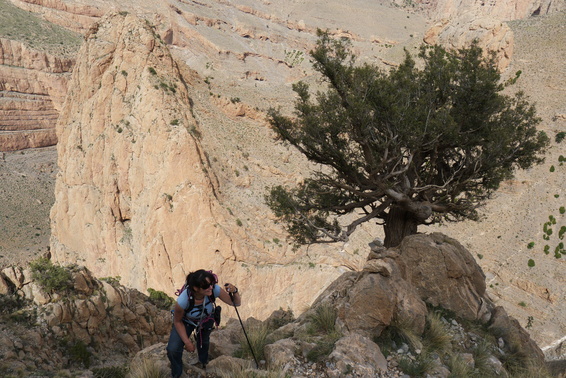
x=194, y=311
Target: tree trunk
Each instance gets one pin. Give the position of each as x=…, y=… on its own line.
x=398, y=224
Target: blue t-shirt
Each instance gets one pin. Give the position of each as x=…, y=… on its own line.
x=196, y=312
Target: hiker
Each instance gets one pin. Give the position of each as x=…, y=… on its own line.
x=194, y=311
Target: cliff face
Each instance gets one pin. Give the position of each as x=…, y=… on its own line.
x=131, y=173
x=135, y=195
x=33, y=85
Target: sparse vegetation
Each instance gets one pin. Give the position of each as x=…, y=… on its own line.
x=148, y=368
x=52, y=278
x=160, y=299
x=23, y=26
x=110, y=372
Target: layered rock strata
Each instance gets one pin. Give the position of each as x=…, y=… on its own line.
x=33, y=85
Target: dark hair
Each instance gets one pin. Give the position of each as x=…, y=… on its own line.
x=198, y=278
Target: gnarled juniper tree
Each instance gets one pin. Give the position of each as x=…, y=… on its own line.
x=406, y=147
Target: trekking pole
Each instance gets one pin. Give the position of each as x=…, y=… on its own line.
x=245, y=334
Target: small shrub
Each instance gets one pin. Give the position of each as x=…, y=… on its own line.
x=324, y=346
x=416, y=368
x=148, y=368
x=10, y=303
x=458, y=367
x=322, y=320
x=78, y=353
x=257, y=336
x=152, y=71
x=174, y=122
x=559, y=137
x=239, y=222
x=235, y=100
x=51, y=278
x=436, y=336
x=160, y=299
x=114, y=281
x=110, y=372
x=531, y=245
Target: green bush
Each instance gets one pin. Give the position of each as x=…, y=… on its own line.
x=110, y=372
x=52, y=278
x=78, y=353
x=324, y=346
x=322, y=320
x=258, y=339
x=160, y=299
x=10, y=303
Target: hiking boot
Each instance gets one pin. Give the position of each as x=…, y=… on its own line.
x=200, y=365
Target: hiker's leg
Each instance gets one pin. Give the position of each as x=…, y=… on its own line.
x=175, y=348
x=203, y=341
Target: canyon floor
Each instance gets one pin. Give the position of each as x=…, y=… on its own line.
x=512, y=220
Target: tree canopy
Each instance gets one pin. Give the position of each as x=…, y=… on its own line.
x=419, y=144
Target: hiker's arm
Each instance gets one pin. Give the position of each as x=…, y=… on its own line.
x=225, y=295
x=180, y=327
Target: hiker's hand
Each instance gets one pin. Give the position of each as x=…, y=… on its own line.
x=190, y=347
x=230, y=288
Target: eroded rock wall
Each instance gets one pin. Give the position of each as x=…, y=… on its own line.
x=33, y=85
x=135, y=194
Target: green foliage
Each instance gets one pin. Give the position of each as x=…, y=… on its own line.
x=160, y=299
x=559, y=137
x=322, y=324
x=458, y=367
x=10, y=303
x=324, y=346
x=152, y=71
x=294, y=57
x=258, y=339
x=52, y=278
x=555, y=221
x=78, y=352
x=416, y=367
x=436, y=336
x=410, y=145
x=322, y=320
x=174, y=122
x=148, y=368
x=114, y=281
x=110, y=372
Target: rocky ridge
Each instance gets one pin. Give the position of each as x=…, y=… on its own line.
x=379, y=322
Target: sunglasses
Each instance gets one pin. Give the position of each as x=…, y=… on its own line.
x=206, y=285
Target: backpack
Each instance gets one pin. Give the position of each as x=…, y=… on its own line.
x=216, y=310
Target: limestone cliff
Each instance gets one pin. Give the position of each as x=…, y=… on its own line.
x=136, y=196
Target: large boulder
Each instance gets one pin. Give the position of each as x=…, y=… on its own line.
x=444, y=274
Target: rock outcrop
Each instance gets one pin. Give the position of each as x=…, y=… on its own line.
x=92, y=320
x=33, y=86
x=374, y=314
